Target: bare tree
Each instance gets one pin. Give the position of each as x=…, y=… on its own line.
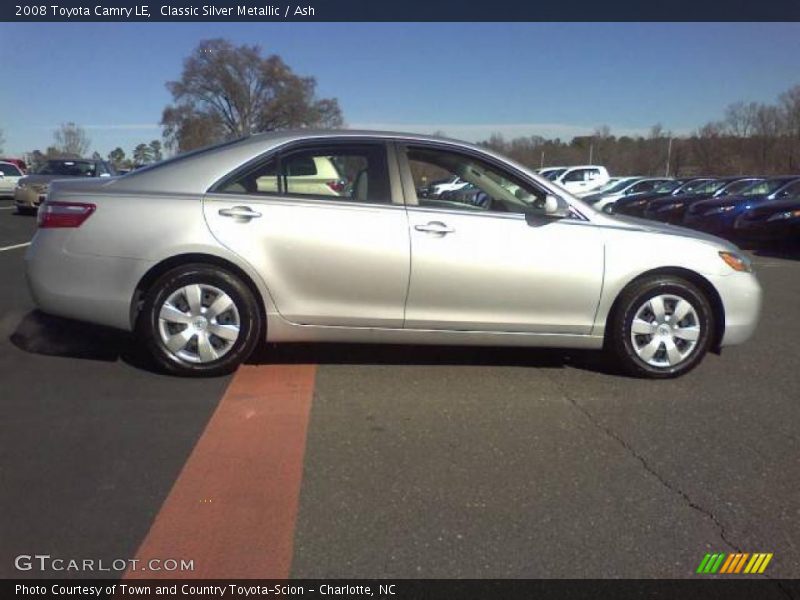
x=228, y=91
x=740, y=118
x=71, y=140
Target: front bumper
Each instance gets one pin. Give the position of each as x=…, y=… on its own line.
x=741, y=300
x=768, y=231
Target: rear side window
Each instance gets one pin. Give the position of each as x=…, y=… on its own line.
x=354, y=173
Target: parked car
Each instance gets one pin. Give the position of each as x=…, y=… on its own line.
x=451, y=184
x=9, y=178
x=672, y=209
x=718, y=215
x=634, y=206
x=18, y=162
x=777, y=221
x=203, y=265
x=636, y=186
x=32, y=189
x=582, y=178
x=612, y=182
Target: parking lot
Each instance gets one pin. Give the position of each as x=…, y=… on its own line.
x=354, y=461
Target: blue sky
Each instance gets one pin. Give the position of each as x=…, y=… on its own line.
x=466, y=79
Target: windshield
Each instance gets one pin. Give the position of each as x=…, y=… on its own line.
x=765, y=187
x=618, y=186
x=9, y=170
x=735, y=187
x=68, y=168
x=666, y=187
x=708, y=187
x=692, y=186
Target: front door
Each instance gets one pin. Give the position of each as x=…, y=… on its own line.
x=482, y=259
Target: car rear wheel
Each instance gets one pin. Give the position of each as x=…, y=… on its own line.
x=199, y=320
x=662, y=327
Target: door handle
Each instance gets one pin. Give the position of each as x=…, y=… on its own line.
x=239, y=212
x=435, y=227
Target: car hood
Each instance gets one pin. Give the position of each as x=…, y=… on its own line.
x=647, y=226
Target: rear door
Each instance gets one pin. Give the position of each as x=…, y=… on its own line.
x=332, y=245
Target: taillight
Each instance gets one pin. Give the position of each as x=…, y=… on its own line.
x=337, y=185
x=64, y=214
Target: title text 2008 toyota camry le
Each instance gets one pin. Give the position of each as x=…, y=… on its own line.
x=333, y=236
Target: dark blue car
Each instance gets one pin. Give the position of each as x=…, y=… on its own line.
x=777, y=221
x=718, y=215
x=672, y=209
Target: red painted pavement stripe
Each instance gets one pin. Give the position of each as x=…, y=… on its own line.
x=233, y=507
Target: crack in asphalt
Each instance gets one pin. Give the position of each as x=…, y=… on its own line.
x=660, y=478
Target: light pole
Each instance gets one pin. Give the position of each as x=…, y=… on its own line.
x=669, y=154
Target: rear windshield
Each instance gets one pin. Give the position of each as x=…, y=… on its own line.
x=69, y=168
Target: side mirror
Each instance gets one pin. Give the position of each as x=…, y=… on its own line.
x=544, y=211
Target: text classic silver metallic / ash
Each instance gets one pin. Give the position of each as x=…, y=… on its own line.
x=335, y=236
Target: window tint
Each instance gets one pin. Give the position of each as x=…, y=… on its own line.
x=351, y=173
x=790, y=190
x=485, y=187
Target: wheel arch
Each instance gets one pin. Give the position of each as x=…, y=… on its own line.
x=693, y=277
x=157, y=270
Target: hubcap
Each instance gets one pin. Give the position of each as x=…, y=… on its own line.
x=665, y=330
x=198, y=323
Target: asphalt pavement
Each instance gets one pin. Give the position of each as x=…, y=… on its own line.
x=418, y=461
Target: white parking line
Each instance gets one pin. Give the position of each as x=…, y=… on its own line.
x=14, y=247
x=7, y=207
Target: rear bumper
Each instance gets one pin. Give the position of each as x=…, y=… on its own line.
x=96, y=289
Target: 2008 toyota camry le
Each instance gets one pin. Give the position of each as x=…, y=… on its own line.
x=332, y=236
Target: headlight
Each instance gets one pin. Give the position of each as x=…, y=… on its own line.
x=789, y=214
x=737, y=262
x=720, y=210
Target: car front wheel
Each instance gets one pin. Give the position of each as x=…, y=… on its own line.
x=662, y=327
x=199, y=320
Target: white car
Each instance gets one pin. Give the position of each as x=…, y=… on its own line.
x=628, y=187
x=582, y=178
x=9, y=177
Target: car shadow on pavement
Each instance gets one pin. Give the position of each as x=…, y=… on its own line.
x=39, y=333
x=397, y=354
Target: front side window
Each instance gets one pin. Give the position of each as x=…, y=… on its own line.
x=341, y=172
x=488, y=188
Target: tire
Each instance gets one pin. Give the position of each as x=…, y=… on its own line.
x=660, y=348
x=211, y=341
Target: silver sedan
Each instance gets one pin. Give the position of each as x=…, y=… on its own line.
x=321, y=236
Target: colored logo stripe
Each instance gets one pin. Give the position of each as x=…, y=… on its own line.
x=734, y=563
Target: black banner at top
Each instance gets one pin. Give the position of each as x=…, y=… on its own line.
x=398, y=10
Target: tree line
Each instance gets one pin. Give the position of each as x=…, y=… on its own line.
x=749, y=138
